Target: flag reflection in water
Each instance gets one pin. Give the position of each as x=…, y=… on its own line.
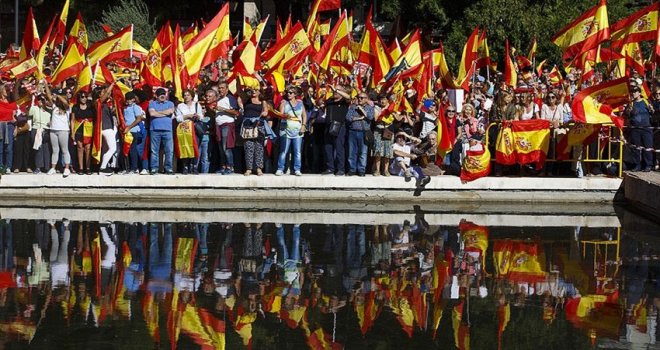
x=267, y=285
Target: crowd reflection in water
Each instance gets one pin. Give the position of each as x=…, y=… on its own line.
x=322, y=286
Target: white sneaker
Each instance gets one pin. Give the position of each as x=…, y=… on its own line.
x=279, y=173
x=144, y=172
x=298, y=173
x=66, y=172
x=8, y=171
x=51, y=171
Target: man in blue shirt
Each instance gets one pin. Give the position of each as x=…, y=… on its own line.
x=359, y=118
x=161, y=111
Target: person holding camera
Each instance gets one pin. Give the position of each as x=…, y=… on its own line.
x=359, y=118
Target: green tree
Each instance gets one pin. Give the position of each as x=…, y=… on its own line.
x=127, y=12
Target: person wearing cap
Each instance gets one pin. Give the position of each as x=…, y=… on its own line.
x=133, y=121
x=400, y=166
x=161, y=112
x=639, y=113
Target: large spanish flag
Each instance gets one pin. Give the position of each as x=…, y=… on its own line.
x=476, y=164
x=585, y=32
x=531, y=139
x=373, y=52
x=595, y=104
x=578, y=134
x=640, y=26
x=115, y=47
x=210, y=44
x=634, y=61
x=483, y=53
x=70, y=66
x=410, y=58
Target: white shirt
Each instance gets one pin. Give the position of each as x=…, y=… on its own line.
x=552, y=115
x=59, y=120
x=528, y=115
x=183, y=109
x=223, y=118
x=405, y=148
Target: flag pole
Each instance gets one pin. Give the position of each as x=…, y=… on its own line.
x=131, y=52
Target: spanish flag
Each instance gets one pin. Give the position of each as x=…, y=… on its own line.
x=633, y=59
x=504, y=149
x=578, y=134
x=510, y=74
x=210, y=44
x=469, y=55
x=373, y=52
x=24, y=68
x=186, y=141
x=531, y=139
x=115, y=47
x=532, y=50
x=640, y=26
x=446, y=76
x=203, y=328
x=585, y=32
x=502, y=257
x=339, y=37
x=410, y=58
x=461, y=329
x=31, y=42
x=41, y=53
x=153, y=65
x=78, y=33
x=288, y=51
x=178, y=64
x=595, y=104
x=483, y=53
x=503, y=318
x=475, y=237
x=60, y=28
x=247, y=28
x=70, y=66
x=97, y=138
x=525, y=266
x=476, y=164
x=189, y=34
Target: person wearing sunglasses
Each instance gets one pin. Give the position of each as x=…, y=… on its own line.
x=359, y=118
x=292, y=130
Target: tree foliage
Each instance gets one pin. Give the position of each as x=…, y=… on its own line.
x=126, y=12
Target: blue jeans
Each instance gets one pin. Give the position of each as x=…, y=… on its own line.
x=7, y=149
x=203, y=159
x=357, y=151
x=136, y=151
x=226, y=154
x=285, y=144
x=158, y=137
x=288, y=254
x=333, y=147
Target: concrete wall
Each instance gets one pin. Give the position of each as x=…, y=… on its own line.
x=642, y=191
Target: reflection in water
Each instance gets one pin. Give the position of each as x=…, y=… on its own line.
x=412, y=285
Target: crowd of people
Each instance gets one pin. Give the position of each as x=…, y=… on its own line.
x=307, y=276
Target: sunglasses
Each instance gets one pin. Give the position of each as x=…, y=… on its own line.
x=451, y=111
x=552, y=96
x=291, y=92
x=363, y=97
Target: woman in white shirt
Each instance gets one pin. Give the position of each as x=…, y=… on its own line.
x=553, y=110
x=59, y=131
x=189, y=110
x=530, y=110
